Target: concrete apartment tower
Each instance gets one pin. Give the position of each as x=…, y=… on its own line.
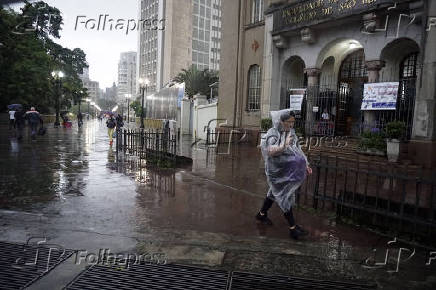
x=126, y=75
x=93, y=87
x=176, y=34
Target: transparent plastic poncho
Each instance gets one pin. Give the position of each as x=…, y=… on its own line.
x=285, y=167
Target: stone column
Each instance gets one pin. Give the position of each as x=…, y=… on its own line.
x=199, y=100
x=311, y=93
x=271, y=75
x=373, y=68
x=267, y=67
x=185, y=116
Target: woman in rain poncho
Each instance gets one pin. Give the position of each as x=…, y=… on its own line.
x=285, y=167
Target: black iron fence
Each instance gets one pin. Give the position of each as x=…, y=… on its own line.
x=398, y=200
x=156, y=146
x=224, y=136
x=335, y=110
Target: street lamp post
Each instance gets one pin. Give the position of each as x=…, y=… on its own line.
x=128, y=107
x=93, y=104
x=57, y=75
x=80, y=99
x=89, y=103
x=144, y=85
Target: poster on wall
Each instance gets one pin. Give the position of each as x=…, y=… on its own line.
x=380, y=96
x=296, y=99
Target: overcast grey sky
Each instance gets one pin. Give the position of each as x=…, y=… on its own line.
x=102, y=48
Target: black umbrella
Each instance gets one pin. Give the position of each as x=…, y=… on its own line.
x=15, y=107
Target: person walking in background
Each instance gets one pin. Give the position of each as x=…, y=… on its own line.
x=11, y=119
x=79, y=119
x=19, y=123
x=120, y=122
x=33, y=118
x=286, y=167
x=111, y=124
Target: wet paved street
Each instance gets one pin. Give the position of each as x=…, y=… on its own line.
x=68, y=187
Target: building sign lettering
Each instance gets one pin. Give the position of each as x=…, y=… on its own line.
x=311, y=12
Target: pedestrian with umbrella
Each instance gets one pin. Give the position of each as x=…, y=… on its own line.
x=12, y=109
x=111, y=124
x=33, y=118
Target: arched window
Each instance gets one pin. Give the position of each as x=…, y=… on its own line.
x=256, y=11
x=354, y=66
x=254, y=88
x=408, y=66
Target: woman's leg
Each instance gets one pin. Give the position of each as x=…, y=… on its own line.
x=295, y=231
x=289, y=215
x=262, y=215
x=110, y=133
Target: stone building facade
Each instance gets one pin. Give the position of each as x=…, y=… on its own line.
x=331, y=49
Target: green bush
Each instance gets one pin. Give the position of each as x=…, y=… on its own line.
x=374, y=139
x=395, y=130
x=266, y=124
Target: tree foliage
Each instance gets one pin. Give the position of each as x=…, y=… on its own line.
x=136, y=106
x=28, y=55
x=197, y=81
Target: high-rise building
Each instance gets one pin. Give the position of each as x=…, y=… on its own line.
x=126, y=74
x=175, y=35
x=93, y=87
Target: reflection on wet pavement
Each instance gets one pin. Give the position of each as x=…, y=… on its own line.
x=72, y=187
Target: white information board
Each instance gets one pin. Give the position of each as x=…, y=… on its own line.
x=380, y=96
x=296, y=99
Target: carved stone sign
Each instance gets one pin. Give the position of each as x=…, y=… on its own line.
x=310, y=12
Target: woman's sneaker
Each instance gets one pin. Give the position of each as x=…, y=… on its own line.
x=297, y=232
x=301, y=230
x=263, y=219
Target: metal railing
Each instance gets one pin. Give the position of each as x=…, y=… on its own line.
x=155, y=146
x=399, y=200
x=223, y=136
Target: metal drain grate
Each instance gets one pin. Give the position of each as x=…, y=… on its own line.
x=21, y=265
x=248, y=281
x=171, y=277
x=177, y=277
